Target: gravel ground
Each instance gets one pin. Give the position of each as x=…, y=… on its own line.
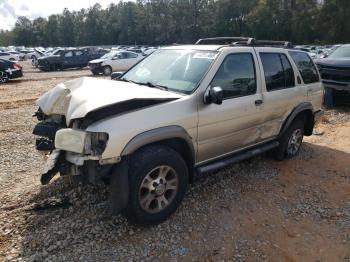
x=257, y=210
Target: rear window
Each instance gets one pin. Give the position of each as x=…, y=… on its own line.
x=306, y=67
x=278, y=71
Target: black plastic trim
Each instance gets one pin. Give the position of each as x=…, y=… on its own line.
x=236, y=157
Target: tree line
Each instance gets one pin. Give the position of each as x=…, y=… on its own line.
x=159, y=22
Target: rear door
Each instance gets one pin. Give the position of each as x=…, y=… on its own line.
x=233, y=125
x=313, y=87
x=280, y=90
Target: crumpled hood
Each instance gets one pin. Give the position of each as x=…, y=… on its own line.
x=76, y=98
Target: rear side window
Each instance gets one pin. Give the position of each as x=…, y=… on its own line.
x=278, y=71
x=306, y=67
x=236, y=76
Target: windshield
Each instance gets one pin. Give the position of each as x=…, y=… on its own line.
x=341, y=52
x=177, y=70
x=109, y=55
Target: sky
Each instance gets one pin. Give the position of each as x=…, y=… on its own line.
x=10, y=10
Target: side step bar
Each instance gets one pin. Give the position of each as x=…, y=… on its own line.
x=237, y=157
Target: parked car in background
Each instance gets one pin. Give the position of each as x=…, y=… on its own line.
x=114, y=61
x=38, y=52
x=180, y=112
x=11, y=56
x=9, y=70
x=335, y=74
x=23, y=54
x=67, y=58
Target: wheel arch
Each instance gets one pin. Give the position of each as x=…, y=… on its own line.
x=174, y=137
x=303, y=111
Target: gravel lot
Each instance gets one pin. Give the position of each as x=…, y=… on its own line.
x=260, y=209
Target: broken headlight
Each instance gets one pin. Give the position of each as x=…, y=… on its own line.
x=77, y=141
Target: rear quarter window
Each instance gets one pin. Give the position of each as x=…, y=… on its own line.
x=305, y=66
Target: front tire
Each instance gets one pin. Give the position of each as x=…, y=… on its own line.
x=290, y=142
x=107, y=70
x=158, y=179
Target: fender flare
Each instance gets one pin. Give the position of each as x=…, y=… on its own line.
x=157, y=135
x=298, y=109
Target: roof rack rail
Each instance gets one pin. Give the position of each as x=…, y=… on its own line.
x=225, y=41
x=243, y=41
x=284, y=44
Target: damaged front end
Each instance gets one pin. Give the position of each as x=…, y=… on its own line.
x=69, y=150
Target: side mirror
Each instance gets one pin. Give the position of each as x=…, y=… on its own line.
x=116, y=75
x=213, y=95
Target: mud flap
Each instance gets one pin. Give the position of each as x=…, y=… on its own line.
x=119, y=186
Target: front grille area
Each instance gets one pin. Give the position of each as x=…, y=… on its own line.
x=335, y=73
x=94, y=65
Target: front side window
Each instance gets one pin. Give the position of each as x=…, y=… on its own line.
x=306, y=67
x=278, y=71
x=131, y=55
x=236, y=76
x=78, y=53
x=178, y=70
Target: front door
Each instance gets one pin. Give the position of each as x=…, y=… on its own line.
x=235, y=123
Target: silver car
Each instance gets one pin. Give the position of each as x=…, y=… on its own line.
x=180, y=112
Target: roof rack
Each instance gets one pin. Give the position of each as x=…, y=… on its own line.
x=243, y=41
x=224, y=40
x=284, y=44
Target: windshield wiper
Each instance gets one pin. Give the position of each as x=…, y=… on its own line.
x=128, y=80
x=150, y=84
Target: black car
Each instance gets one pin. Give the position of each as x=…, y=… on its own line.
x=67, y=58
x=9, y=70
x=335, y=74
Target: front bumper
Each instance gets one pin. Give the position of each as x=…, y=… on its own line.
x=71, y=152
x=95, y=68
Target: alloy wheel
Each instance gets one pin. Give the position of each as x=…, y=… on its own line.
x=294, y=142
x=158, y=189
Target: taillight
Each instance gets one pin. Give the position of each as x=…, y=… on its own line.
x=17, y=66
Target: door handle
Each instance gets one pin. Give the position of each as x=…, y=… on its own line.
x=258, y=102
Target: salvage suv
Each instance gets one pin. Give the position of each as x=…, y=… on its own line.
x=180, y=112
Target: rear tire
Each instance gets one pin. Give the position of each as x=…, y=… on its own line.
x=158, y=179
x=290, y=142
x=107, y=70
